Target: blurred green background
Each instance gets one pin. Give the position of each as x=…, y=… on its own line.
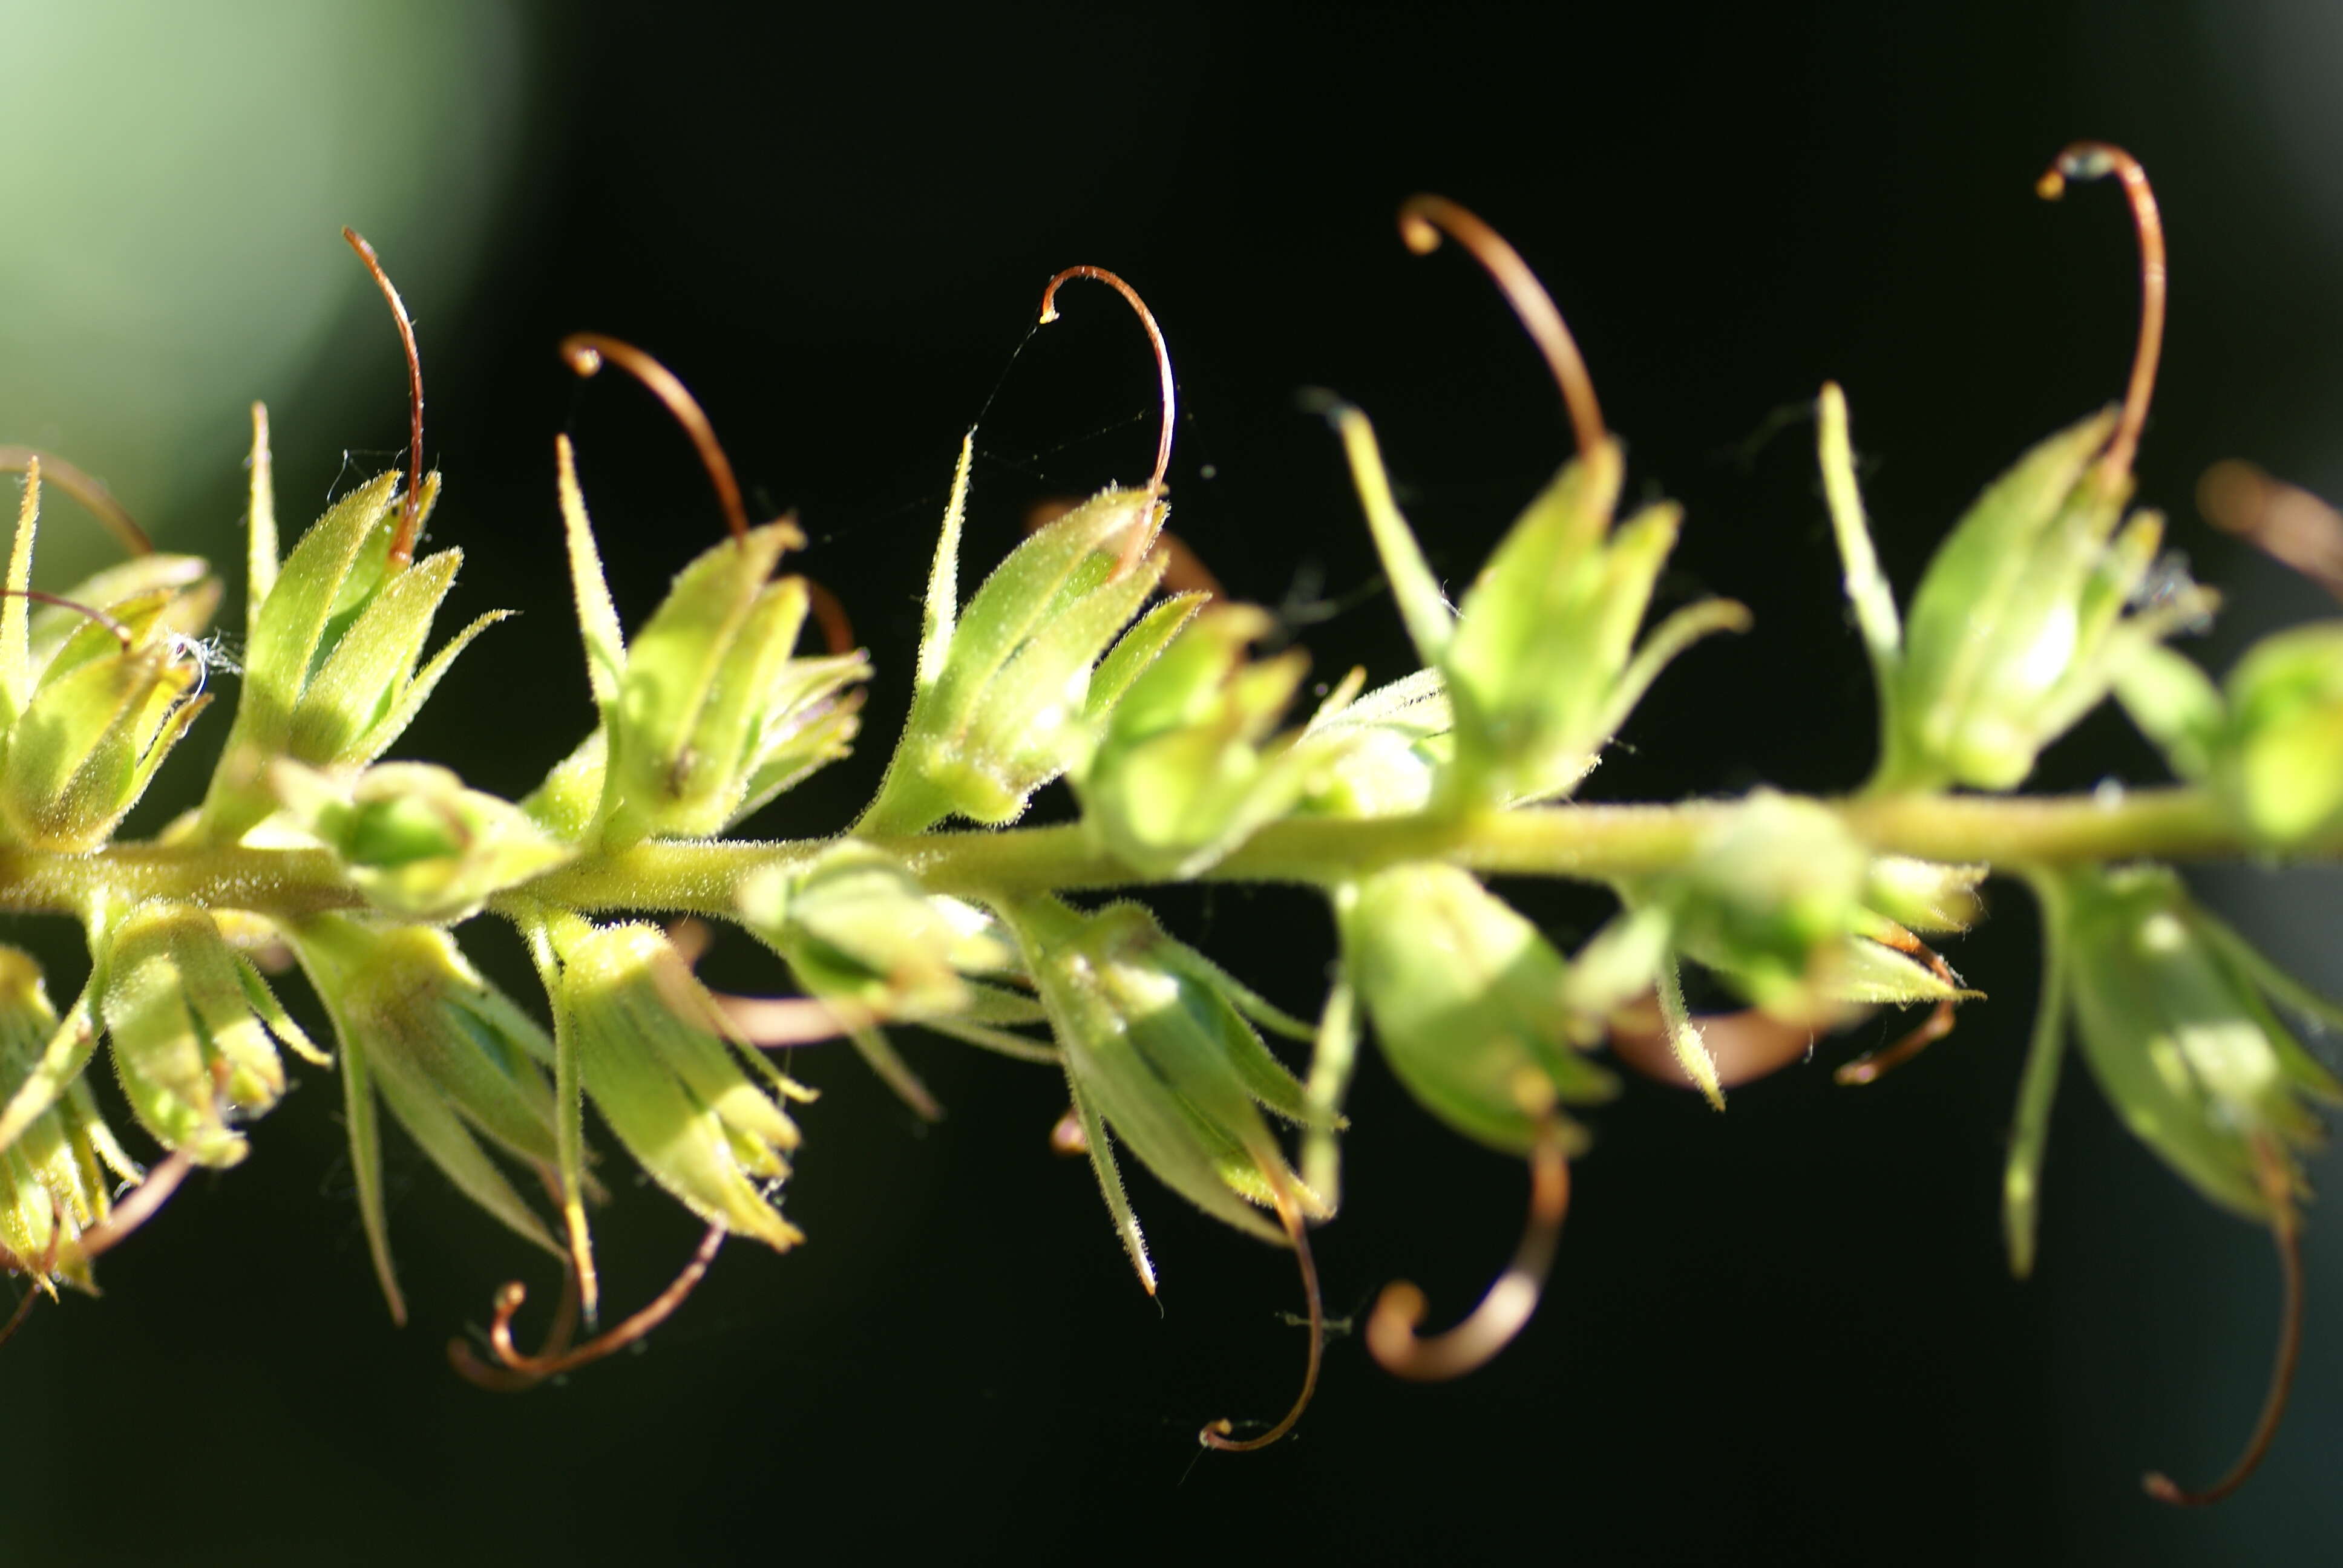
x=177, y=176
x=1785, y=1335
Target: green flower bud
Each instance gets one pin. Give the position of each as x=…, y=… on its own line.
x=2018, y=627
x=1923, y=896
x=191, y=1025
x=331, y=676
x=101, y=715
x=412, y=838
x=1782, y=901
x=1182, y=775
x=1769, y=899
x=657, y=1059
x=1469, y=1002
x=714, y=716
x=1539, y=666
x=448, y=1053
x=1540, y=662
x=1003, y=700
x=1157, y=1048
x=1384, y=752
x=857, y=928
x=2278, y=759
x=57, y=1177
x=2172, y=1011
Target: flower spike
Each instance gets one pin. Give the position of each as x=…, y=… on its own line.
x=402, y=544
x=2287, y=1231
x=1218, y=1434
x=1392, y=1338
x=2096, y=160
x=1140, y=536
x=584, y=352
x=1423, y=219
x=90, y=491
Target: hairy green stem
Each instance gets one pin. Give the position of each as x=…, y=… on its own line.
x=1594, y=843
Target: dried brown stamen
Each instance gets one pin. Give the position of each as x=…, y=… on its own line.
x=1142, y=534
x=837, y=628
x=2286, y=1230
x=91, y=492
x=402, y=544
x=584, y=352
x=1218, y=1434
x=2096, y=160
x=121, y=632
x=138, y=1208
x=536, y=1369
x=1869, y=1067
x=2284, y=521
x=1392, y=1338
x=1423, y=219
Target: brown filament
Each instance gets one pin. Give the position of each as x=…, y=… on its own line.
x=1872, y=1065
x=138, y=1208
x=402, y=544
x=584, y=352
x=783, y=1022
x=690, y=936
x=90, y=491
x=536, y=1369
x=2096, y=160
x=837, y=629
x=121, y=632
x=1423, y=219
x=1392, y=1338
x=2284, y=1228
x=558, y=1336
x=2284, y=521
x=1217, y=1435
x=1132, y=552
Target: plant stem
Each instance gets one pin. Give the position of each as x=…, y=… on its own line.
x=1590, y=843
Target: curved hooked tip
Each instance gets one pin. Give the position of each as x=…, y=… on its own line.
x=1141, y=535
x=1392, y=1338
x=1423, y=219
x=120, y=631
x=1872, y=1065
x=2096, y=160
x=402, y=544
x=2286, y=1229
x=837, y=627
x=584, y=353
x=516, y=1371
x=91, y=492
x=1218, y=1434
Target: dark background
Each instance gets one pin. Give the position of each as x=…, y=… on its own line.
x=1786, y=1335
